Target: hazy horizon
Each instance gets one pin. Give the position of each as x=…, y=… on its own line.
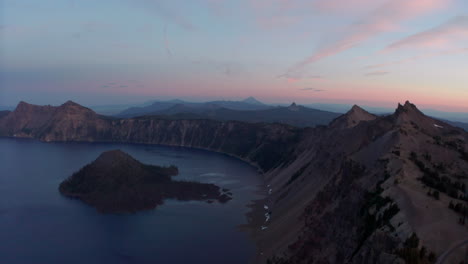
x=375, y=53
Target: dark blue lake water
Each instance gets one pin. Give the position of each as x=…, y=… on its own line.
x=38, y=225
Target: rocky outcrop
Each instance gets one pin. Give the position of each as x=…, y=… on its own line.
x=351, y=192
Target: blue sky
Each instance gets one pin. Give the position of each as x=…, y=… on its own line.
x=376, y=52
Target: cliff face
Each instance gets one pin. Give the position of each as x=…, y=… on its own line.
x=351, y=192
x=262, y=144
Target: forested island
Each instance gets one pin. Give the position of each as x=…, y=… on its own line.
x=117, y=183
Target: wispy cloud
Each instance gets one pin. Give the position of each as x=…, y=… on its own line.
x=377, y=73
x=440, y=36
x=385, y=18
x=311, y=89
x=419, y=57
x=292, y=77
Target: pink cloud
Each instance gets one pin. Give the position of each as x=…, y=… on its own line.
x=438, y=37
x=453, y=51
x=385, y=18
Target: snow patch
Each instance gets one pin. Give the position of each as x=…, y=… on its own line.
x=267, y=217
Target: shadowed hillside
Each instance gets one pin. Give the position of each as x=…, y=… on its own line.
x=361, y=190
x=165, y=106
x=252, y=112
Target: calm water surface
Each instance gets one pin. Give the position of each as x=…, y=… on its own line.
x=38, y=225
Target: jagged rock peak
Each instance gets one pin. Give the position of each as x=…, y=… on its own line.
x=410, y=114
x=408, y=109
x=353, y=117
x=357, y=109
x=293, y=107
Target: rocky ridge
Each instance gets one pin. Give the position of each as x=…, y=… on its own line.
x=352, y=192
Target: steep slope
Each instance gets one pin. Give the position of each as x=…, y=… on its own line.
x=352, y=192
x=352, y=118
x=358, y=192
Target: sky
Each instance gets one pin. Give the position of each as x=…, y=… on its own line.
x=371, y=52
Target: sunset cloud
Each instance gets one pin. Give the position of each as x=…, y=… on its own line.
x=312, y=89
x=438, y=37
x=373, y=50
x=385, y=18
x=419, y=57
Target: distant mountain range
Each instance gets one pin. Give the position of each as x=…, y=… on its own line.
x=364, y=189
x=294, y=115
x=159, y=106
x=249, y=110
x=253, y=111
x=457, y=124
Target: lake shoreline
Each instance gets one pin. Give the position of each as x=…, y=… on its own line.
x=253, y=217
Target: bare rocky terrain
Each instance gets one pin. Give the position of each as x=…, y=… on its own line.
x=365, y=189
